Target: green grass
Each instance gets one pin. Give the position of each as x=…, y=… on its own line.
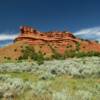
x=72, y=85
x=58, y=82
x=23, y=75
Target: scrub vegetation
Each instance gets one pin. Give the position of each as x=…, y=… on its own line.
x=70, y=79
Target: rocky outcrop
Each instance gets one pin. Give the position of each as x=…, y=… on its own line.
x=32, y=35
x=61, y=41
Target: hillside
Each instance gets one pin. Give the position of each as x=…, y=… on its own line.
x=50, y=44
x=49, y=66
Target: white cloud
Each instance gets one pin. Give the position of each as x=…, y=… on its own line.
x=95, y=30
x=7, y=37
x=89, y=33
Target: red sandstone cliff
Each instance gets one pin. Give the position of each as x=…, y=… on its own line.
x=60, y=41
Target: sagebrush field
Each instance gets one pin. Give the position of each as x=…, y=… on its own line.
x=70, y=79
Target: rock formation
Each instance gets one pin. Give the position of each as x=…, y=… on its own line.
x=60, y=41
x=32, y=35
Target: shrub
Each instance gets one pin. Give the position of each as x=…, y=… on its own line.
x=97, y=41
x=56, y=55
x=4, y=57
x=69, y=54
x=15, y=50
x=77, y=46
x=68, y=46
x=7, y=58
x=29, y=52
x=79, y=54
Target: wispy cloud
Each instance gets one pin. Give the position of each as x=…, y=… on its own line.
x=7, y=37
x=89, y=33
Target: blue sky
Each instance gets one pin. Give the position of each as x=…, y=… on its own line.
x=49, y=15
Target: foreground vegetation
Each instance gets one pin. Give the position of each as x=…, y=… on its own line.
x=70, y=79
x=58, y=88
x=28, y=52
